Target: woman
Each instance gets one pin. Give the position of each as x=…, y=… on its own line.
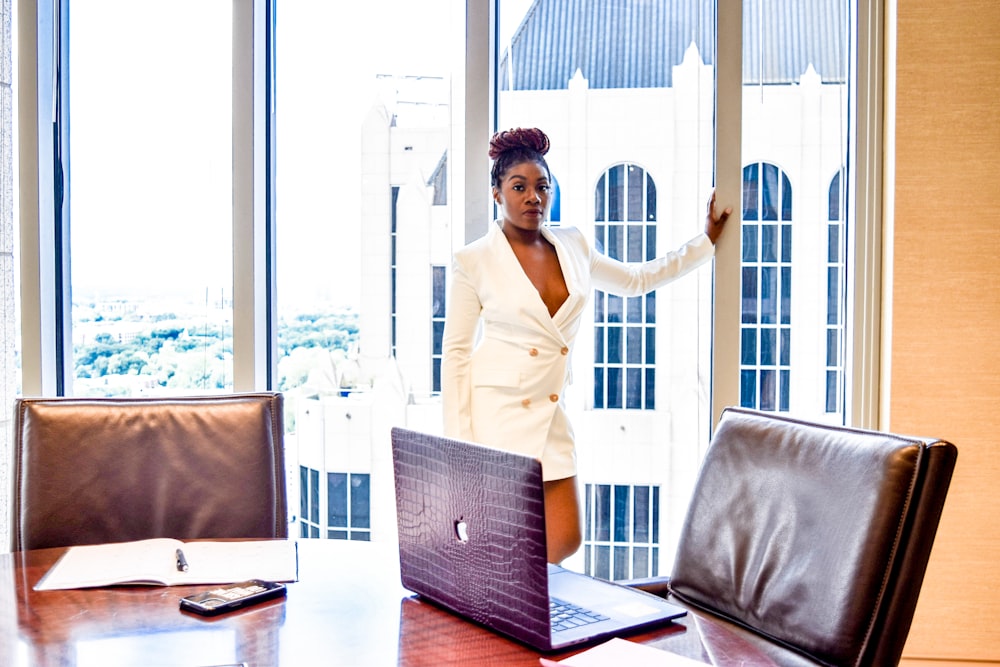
x=528, y=284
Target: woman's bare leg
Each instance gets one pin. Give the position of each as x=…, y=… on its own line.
x=562, y=518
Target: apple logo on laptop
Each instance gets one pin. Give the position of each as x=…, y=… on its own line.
x=462, y=530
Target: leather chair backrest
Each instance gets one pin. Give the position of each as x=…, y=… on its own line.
x=94, y=470
x=814, y=536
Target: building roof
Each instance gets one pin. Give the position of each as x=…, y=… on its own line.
x=636, y=43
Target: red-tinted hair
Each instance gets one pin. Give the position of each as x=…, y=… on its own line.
x=512, y=147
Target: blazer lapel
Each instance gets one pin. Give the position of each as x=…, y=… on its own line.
x=529, y=298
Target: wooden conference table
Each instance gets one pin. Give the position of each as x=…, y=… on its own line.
x=348, y=608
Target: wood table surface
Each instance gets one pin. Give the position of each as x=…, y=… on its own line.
x=348, y=608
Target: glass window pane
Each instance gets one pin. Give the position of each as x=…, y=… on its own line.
x=640, y=531
x=614, y=388
x=751, y=186
x=304, y=496
x=748, y=346
x=786, y=198
x=360, y=501
x=768, y=243
x=616, y=242
x=656, y=520
x=635, y=250
x=748, y=388
x=599, y=388
x=750, y=247
x=749, y=289
x=602, y=562
x=795, y=52
x=621, y=563
x=370, y=272
x=635, y=178
x=832, y=347
x=650, y=403
x=832, y=295
x=616, y=196
x=650, y=198
x=151, y=228
x=602, y=512
x=623, y=514
x=768, y=389
x=769, y=192
x=640, y=562
x=624, y=146
x=633, y=391
x=599, y=197
x=831, y=391
x=439, y=274
x=768, y=295
x=633, y=345
x=634, y=305
x=615, y=344
x=336, y=499
x=768, y=346
x=313, y=491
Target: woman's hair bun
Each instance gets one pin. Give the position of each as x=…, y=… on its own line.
x=530, y=138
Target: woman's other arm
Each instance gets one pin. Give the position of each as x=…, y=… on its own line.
x=461, y=323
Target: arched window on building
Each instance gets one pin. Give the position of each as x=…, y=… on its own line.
x=766, y=288
x=625, y=328
x=555, y=210
x=835, y=296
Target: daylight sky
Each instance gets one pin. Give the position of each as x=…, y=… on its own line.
x=150, y=135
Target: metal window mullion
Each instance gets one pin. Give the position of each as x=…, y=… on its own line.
x=726, y=306
x=254, y=299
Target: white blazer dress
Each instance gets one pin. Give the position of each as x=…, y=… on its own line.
x=502, y=385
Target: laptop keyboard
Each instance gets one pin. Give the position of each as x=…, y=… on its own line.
x=565, y=615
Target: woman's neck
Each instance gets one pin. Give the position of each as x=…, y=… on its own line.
x=521, y=236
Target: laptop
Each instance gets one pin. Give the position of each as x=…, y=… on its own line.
x=472, y=539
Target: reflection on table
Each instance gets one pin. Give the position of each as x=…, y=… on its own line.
x=348, y=608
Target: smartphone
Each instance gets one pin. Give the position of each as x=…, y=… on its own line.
x=230, y=597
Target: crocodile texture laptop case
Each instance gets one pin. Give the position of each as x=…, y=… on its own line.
x=486, y=564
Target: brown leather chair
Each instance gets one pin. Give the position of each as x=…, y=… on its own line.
x=94, y=470
x=810, y=541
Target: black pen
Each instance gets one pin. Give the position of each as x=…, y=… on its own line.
x=182, y=564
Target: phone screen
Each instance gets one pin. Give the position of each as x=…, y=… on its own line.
x=230, y=597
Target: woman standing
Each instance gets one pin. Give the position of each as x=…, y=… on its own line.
x=528, y=284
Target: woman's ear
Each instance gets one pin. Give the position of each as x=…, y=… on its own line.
x=496, y=195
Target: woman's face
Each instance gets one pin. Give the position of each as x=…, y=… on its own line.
x=524, y=195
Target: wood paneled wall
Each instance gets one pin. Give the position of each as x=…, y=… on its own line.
x=945, y=303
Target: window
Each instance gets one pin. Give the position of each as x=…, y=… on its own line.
x=621, y=531
x=836, y=247
x=766, y=330
x=345, y=504
x=150, y=211
x=309, y=502
x=372, y=198
x=439, y=277
x=625, y=92
x=349, y=506
x=624, y=327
